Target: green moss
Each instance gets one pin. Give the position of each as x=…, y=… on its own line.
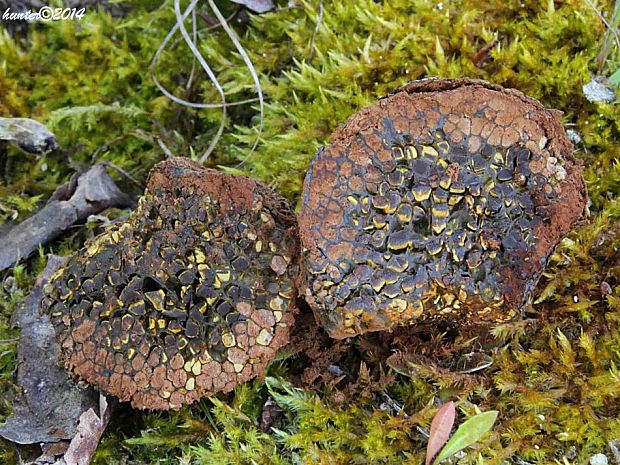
x=555, y=378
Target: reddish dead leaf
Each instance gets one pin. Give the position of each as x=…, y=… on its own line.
x=441, y=426
x=89, y=431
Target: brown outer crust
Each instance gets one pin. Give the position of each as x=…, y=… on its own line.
x=536, y=123
x=238, y=190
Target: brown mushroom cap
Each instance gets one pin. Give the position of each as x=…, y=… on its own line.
x=191, y=296
x=442, y=200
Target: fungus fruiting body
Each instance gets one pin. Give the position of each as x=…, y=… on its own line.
x=191, y=296
x=442, y=200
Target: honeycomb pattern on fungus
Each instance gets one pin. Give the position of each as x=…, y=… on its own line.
x=191, y=296
x=443, y=200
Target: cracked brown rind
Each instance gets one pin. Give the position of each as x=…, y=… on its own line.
x=474, y=119
x=191, y=296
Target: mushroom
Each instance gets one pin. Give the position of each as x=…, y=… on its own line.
x=443, y=200
x=189, y=297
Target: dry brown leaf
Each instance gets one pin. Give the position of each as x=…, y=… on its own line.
x=441, y=426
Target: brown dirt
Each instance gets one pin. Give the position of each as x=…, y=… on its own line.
x=443, y=200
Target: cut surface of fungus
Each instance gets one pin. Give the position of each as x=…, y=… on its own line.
x=442, y=200
x=191, y=296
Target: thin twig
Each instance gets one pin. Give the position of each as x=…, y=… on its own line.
x=316, y=30
x=123, y=172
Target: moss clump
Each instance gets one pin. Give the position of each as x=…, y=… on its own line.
x=89, y=81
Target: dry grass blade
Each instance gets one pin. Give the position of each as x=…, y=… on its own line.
x=316, y=31
x=612, y=27
x=248, y=62
x=165, y=91
x=191, y=42
x=123, y=172
x=206, y=67
x=195, y=41
x=165, y=148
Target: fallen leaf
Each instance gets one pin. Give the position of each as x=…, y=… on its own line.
x=257, y=6
x=50, y=402
x=89, y=431
x=28, y=135
x=441, y=426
